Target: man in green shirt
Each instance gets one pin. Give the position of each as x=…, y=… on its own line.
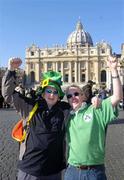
x=86, y=130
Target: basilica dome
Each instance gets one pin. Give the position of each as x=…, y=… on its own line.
x=79, y=37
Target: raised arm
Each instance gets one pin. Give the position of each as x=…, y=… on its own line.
x=9, y=79
x=20, y=102
x=117, y=87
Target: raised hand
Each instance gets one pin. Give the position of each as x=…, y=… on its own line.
x=96, y=102
x=112, y=62
x=14, y=63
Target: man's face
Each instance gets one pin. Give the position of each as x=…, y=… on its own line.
x=75, y=98
x=51, y=96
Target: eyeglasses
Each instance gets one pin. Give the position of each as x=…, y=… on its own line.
x=49, y=91
x=71, y=95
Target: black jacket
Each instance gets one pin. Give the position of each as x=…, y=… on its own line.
x=44, y=153
x=45, y=143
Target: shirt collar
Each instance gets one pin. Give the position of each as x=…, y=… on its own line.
x=83, y=106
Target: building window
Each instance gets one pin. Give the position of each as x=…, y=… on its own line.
x=103, y=51
x=49, y=65
x=72, y=65
x=102, y=65
x=82, y=77
x=32, y=76
x=103, y=76
x=73, y=78
x=82, y=64
x=82, y=51
x=65, y=65
x=32, y=53
x=66, y=78
x=32, y=66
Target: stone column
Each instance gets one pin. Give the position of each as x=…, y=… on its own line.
x=56, y=66
x=79, y=72
x=70, y=72
x=37, y=72
x=76, y=77
x=28, y=78
x=62, y=71
x=87, y=72
x=45, y=67
x=96, y=70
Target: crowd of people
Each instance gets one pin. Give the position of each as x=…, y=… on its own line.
x=62, y=135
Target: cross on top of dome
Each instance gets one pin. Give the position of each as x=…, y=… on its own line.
x=79, y=37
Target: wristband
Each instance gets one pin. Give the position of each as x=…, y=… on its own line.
x=115, y=77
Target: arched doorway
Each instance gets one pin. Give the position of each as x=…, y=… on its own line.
x=103, y=76
x=32, y=73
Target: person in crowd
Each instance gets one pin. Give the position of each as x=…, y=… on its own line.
x=91, y=83
x=102, y=93
x=86, y=130
x=1, y=100
x=42, y=154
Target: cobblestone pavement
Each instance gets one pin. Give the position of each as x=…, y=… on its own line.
x=9, y=148
x=115, y=149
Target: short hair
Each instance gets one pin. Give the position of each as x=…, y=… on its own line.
x=73, y=85
x=85, y=90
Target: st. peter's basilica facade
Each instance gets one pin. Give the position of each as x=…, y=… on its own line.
x=79, y=61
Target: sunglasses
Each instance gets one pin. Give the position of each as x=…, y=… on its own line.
x=49, y=91
x=71, y=95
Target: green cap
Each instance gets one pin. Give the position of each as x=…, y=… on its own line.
x=52, y=79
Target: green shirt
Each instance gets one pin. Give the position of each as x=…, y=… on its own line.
x=86, y=132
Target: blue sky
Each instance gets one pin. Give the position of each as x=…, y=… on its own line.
x=49, y=22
